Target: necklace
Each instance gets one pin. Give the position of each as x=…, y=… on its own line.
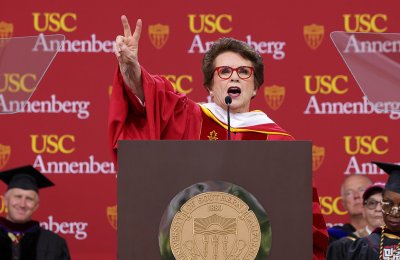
x=381, y=245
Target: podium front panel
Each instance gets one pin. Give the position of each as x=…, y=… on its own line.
x=277, y=173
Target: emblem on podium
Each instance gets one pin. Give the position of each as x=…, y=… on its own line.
x=217, y=223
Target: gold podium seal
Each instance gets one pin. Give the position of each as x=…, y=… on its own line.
x=215, y=226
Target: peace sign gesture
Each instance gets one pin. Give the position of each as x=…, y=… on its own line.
x=126, y=51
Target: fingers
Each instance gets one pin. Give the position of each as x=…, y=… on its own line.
x=118, y=41
x=125, y=24
x=121, y=51
x=126, y=47
x=138, y=31
x=127, y=29
x=123, y=48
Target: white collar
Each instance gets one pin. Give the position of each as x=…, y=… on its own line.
x=368, y=230
x=238, y=119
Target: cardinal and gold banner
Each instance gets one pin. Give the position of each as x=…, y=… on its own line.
x=308, y=90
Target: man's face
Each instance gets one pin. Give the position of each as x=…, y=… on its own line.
x=240, y=90
x=352, y=191
x=21, y=204
x=392, y=220
x=373, y=216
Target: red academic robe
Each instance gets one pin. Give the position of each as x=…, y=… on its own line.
x=167, y=114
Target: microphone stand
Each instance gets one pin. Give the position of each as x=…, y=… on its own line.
x=228, y=101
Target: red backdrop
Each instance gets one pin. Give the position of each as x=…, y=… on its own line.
x=303, y=74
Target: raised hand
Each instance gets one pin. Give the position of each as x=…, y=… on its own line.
x=127, y=46
x=126, y=51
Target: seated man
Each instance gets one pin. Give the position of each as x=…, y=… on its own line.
x=372, y=213
x=383, y=243
x=351, y=191
x=20, y=236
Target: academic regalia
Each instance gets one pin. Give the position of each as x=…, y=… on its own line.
x=371, y=246
x=168, y=115
x=337, y=249
x=35, y=242
x=338, y=232
x=26, y=178
x=28, y=241
x=367, y=248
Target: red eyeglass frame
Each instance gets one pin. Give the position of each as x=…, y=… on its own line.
x=233, y=70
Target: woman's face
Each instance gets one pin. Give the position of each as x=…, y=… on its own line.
x=374, y=216
x=392, y=220
x=240, y=90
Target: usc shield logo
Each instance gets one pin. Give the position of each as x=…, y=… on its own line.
x=313, y=35
x=274, y=96
x=6, y=31
x=112, y=216
x=158, y=34
x=5, y=151
x=318, y=155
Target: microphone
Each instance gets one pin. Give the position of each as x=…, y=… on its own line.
x=228, y=101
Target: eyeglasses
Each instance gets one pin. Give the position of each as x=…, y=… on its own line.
x=388, y=207
x=372, y=204
x=225, y=72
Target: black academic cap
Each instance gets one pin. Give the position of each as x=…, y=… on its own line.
x=393, y=182
x=26, y=178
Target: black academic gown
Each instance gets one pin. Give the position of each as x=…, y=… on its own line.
x=36, y=243
x=367, y=248
x=337, y=250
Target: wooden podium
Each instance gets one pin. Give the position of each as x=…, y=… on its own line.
x=277, y=173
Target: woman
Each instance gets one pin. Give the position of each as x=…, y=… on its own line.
x=146, y=107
